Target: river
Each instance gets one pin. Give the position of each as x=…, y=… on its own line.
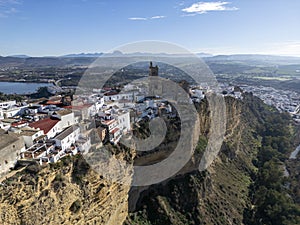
x=21, y=87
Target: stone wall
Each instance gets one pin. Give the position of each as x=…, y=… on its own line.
x=10, y=148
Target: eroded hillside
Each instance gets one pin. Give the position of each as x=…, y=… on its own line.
x=68, y=192
x=228, y=192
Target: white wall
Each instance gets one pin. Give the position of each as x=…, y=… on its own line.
x=29, y=139
x=68, y=140
x=67, y=120
x=55, y=130
x=10, y=154
x=127, y=96
x=11, y=112
x=7, y=104
x=124, y=121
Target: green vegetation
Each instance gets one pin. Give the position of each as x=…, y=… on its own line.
x=8, y=97
x=246, y=185
x=201, y=146
x=272, y=204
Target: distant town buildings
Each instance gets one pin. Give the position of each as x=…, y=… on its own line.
x=283, y=100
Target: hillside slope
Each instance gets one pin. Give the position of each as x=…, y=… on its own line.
x=230, y=191
x=244, y=185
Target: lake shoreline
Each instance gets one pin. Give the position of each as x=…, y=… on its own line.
x=22, y=88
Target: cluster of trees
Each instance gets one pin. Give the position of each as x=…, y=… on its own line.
x=271, y=201
x=8, y=97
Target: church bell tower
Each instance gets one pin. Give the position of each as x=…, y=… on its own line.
x=153, y=70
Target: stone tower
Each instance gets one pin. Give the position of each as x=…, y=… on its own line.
x=155, y=85
x=153, y=70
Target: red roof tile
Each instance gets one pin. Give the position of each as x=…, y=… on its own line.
x=114, y=130
x=108, y=122
x=16, y=124
x=53, y=103
x=45, y=124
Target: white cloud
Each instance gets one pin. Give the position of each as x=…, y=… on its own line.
x=157, y=17
x=11, y=10
x=137, y=18
x=6, y=8
x=190, y=14
x=204, y=7
x=9, y=2
x=145, y=18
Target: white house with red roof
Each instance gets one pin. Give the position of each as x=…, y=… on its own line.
x=50, y=126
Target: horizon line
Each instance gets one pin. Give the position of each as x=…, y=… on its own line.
x=132, y=53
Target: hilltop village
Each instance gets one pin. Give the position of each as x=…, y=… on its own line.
x=48, y=130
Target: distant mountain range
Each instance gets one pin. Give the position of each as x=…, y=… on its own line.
x=115, y=53
x=19, y=56
x=81, y=55
x=244, y=57
x=119, y=53
x=84, y=59
x=234, y=57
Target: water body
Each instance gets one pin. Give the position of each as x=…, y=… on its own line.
x=295, y=153
x=21, y=87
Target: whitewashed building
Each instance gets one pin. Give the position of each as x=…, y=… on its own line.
x=65, y=139
x=123, y=118
x=66, y=118
x=31, y=135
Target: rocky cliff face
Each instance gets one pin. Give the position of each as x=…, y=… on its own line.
x=223, y=194
x=65, y=193
x=71, y=193
x=218, y=195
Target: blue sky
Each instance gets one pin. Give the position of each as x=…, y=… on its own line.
x=58, y=27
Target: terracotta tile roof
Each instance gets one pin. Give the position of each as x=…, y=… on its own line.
x=20, y=123
x=53, y=103
x=108, y=122
x=114, y=130
x=45, y=124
